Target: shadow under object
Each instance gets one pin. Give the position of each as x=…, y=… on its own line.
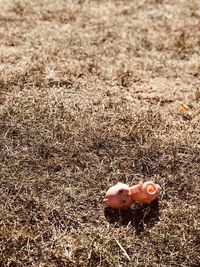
x=137, y=216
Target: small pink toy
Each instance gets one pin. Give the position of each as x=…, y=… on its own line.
x=121, y=196
x=118, y=196
x=145, y=192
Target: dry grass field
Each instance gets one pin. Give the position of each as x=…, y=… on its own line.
x=89, y=95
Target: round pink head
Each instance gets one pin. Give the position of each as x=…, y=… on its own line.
x=118, y=196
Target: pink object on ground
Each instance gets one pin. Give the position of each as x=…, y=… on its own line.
x=121, y=196
x=118, y=196
x=145, y=192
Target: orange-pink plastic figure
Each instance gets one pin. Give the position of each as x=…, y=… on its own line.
x=145, y=192
x=121, y=196
x=118, y=196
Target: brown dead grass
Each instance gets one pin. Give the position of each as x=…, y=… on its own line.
x=90, y=94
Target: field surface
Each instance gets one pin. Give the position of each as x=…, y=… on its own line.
x=89, y=96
